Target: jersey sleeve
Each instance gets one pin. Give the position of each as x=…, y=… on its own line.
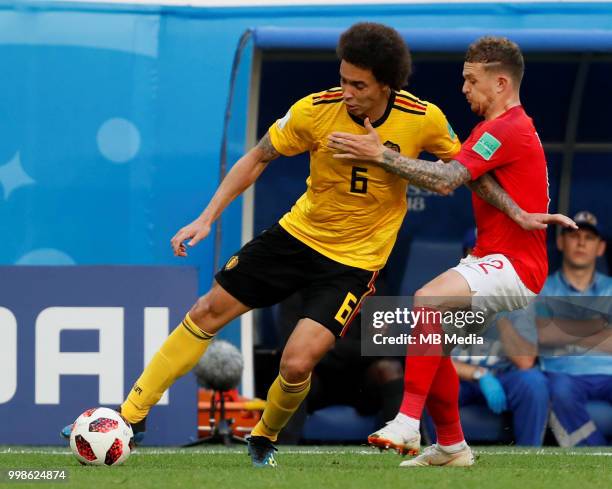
x=484, y=150
x=292, y=134
x=438, y=135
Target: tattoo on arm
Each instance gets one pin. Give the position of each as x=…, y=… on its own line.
x=436, y=176
x=267, y=150
x=492, y=192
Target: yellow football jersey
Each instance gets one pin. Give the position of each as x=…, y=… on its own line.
x=351, y=212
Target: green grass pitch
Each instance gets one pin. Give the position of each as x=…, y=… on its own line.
x=318, y=468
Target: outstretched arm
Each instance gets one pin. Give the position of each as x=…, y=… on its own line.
x=492, y=192
x=242, y=175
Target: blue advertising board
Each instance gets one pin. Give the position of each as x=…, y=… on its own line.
x=72, y=338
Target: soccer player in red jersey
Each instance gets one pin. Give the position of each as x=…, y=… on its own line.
x=508, y=266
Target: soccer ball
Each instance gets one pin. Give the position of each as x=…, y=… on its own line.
x=100, y=436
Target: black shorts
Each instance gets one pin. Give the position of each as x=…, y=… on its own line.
x=274, y=265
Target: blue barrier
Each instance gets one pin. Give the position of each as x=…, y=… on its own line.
x=72, y=338
x=447, y=40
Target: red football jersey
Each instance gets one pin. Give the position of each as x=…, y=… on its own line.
x=509, y=148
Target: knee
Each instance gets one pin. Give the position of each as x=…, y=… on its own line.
x=422, y=292
x=200, y=310
x=431, y=296
x=205, y=310
x=533, y=384
x=295, y=368
x=422, y=295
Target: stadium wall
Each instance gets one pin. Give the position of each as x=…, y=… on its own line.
x=114, y=117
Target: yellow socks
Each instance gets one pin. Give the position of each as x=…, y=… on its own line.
x=283, y=400
x=177, y=356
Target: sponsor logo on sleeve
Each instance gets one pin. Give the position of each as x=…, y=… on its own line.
x=486, y=146
x=282, y=122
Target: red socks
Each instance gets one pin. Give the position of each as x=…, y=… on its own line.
x=422, y=360
x=430, y=378
x=443, y=403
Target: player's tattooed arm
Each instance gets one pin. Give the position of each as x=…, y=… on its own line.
x=487, y=188
x=492, y=192
x=431, y=175
x=436, y=176
x=266, y=150
x=444, y=178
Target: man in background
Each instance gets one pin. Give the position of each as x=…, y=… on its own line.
x=506, y=382
x=575, y=335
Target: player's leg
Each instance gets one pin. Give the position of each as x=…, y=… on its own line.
x=331, y=301
x=443, y=407
x=178, y=355
x=305, y=347
x=528, y=399
x=490, y=284
x=263, y=272
x=448, y=290
x=181, y=350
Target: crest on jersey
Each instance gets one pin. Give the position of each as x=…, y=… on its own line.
x=231, y=263
x=392, y=145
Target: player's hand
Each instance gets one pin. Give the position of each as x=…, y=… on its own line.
x=533, y=221
x=493, y=392
x=195, y=232
x=364, y=147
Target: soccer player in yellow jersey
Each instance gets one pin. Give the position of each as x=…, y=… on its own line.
x=332, y=242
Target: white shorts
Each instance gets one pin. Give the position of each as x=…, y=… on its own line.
x=495, y=284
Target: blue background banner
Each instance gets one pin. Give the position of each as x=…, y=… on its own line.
x=113, y=118
x=72, y=338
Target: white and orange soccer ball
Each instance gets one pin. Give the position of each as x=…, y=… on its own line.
x=100, y=436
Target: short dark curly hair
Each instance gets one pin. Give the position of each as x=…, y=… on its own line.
x=501, y=52
x=378, y=48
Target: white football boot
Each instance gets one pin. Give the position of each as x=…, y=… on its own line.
x=396, y=436
x=435, y=456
